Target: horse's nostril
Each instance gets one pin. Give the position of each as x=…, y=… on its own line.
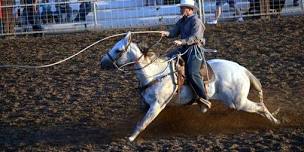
x=101, y=61
x=101, y=65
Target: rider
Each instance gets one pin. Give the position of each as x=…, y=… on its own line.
x=191, y=30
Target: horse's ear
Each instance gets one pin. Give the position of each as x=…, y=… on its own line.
x=128, y=37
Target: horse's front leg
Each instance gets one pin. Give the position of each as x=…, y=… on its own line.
x=143, y=106
x=151, y=114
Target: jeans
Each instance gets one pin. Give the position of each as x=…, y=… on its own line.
x=193, y=62
x=64, y=8
x=46, y=14
x=154, y=2
x=85, y=9
x=32, y=17
x=1, y=27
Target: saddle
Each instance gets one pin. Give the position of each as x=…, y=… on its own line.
x=206, y=72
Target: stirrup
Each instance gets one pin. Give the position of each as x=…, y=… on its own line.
x=206, y=102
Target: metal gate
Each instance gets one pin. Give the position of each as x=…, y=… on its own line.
x=51, y=16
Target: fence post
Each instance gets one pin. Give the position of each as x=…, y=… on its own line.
x=200, y=9
x=302, y=7
x=95, y=14
x=203, y=11
x=264, y=8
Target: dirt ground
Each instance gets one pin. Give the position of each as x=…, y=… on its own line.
x=76, y=106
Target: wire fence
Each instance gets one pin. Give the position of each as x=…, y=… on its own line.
x=49, y=16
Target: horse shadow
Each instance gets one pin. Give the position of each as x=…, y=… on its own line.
x=63, y=135
x=189, y=121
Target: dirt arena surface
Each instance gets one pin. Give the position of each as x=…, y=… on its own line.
x=76, y=106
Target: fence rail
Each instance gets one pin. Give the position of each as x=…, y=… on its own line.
x=49, y=16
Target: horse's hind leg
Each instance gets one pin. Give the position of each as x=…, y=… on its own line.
x=267, y=114
x=259, y=108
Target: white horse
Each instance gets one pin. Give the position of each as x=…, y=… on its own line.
x=231, y=85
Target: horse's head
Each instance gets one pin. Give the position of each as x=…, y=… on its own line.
x=118, y=55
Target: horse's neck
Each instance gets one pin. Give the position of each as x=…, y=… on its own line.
x=150, y=68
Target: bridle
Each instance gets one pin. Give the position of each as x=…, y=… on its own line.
x=120, y=67
x=114, y=60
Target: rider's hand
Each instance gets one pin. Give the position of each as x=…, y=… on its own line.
x=165, y=33
x=178, y=42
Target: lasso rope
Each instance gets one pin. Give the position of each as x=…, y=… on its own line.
x=70, y=57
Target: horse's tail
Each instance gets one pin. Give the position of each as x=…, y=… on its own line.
x=256, y=83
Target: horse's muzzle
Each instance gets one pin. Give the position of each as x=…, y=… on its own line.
x=105, y=63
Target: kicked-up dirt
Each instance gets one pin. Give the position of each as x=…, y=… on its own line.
x=76, y=106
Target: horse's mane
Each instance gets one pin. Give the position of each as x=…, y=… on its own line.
x=154, y=56
x=143, y=47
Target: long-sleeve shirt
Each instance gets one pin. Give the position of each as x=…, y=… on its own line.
x=191, y=30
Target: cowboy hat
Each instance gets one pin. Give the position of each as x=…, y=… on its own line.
x=188, y=3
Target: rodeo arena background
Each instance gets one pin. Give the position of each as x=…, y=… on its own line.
x=56, y=94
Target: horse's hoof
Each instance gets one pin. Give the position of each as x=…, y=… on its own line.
x=203, y=109
x=277, y=122
x=276, y=112
x=131, y=139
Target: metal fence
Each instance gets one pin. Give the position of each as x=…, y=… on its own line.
x=49, y=16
